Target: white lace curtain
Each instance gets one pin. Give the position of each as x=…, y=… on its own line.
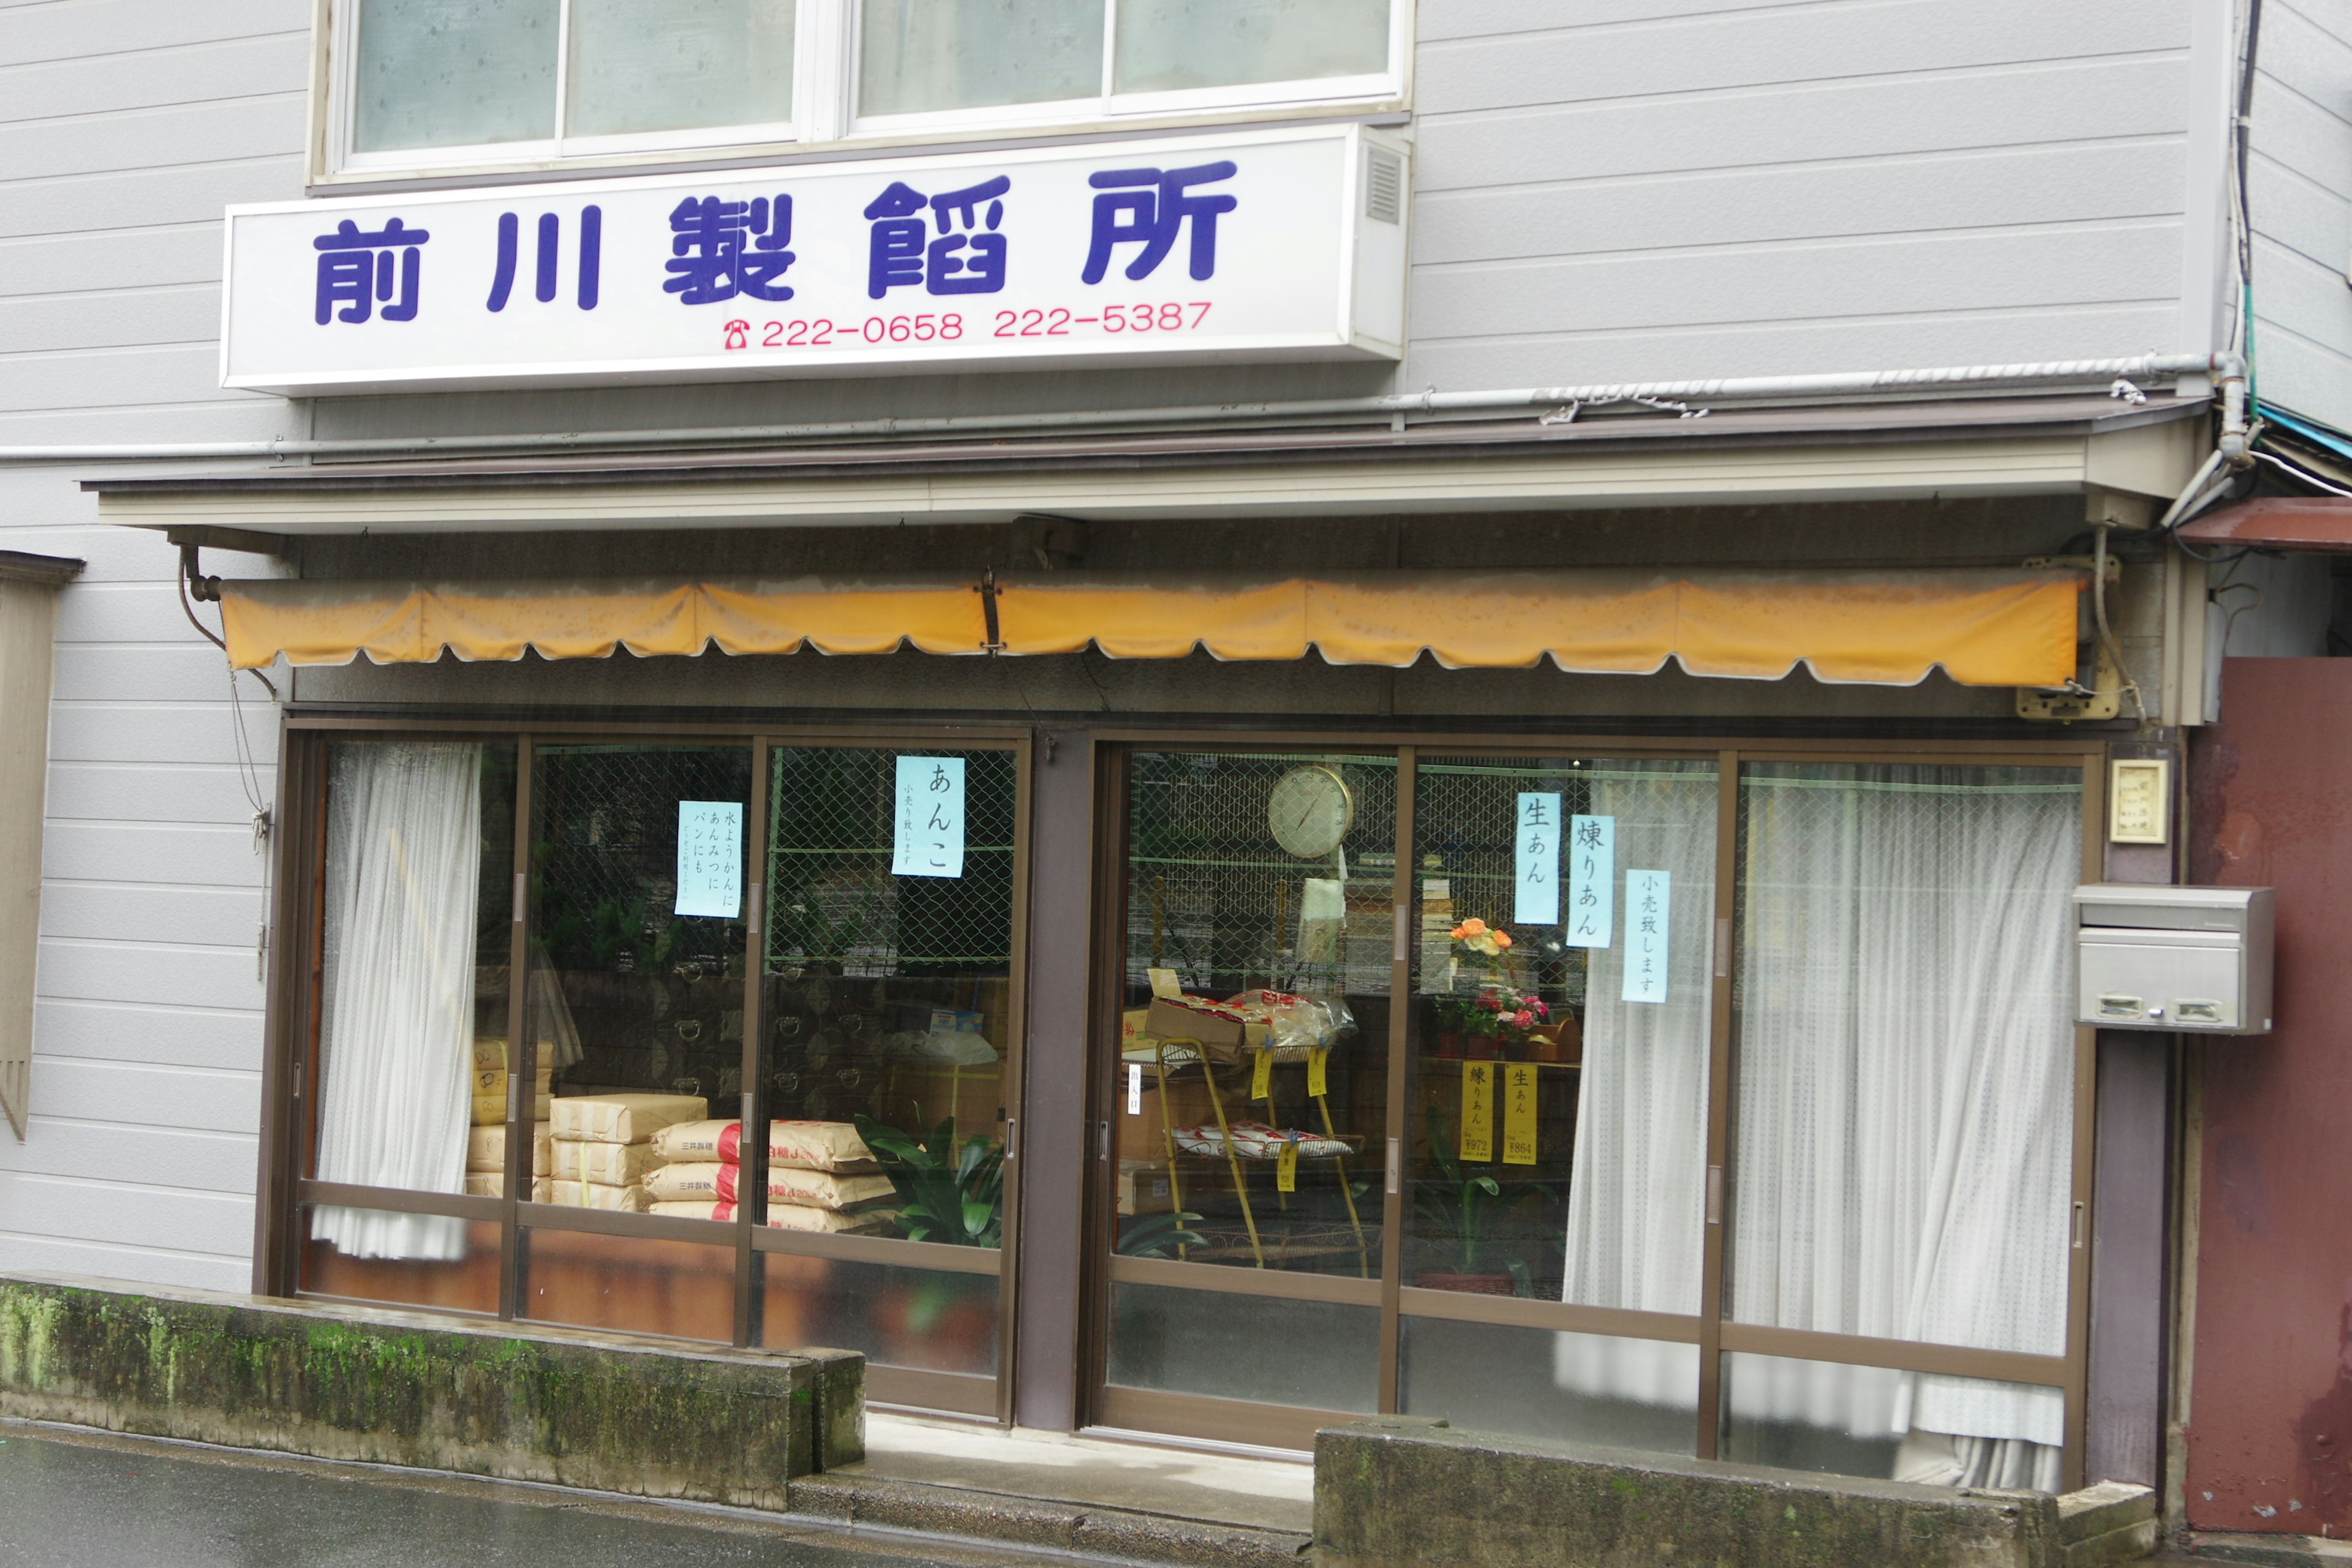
x=404, y=872
x=1905, y=1105
x=1905, y=1098
x=1637, y=1203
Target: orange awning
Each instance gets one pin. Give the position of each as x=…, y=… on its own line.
x=1982, y=628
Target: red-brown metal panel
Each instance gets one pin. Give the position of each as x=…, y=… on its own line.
x=2270, y=1421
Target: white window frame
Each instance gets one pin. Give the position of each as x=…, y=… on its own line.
x=824, y=71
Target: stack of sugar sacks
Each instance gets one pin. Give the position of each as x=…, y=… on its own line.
x=821, y=1175
x=485, y=1160
x=492, y=1061
x=602, y=1146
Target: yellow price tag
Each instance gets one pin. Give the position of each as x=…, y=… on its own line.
x=1285, y=1172
x=1262, y=1080
x=1319, y=1071
x=1519, y=1114
x=1478, y=1110
x=1165, y=984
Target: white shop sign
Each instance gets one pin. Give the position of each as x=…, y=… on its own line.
x=1267, y=246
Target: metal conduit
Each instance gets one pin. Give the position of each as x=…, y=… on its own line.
x=2228, y=369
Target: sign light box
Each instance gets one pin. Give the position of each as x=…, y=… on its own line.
x=1265, y=246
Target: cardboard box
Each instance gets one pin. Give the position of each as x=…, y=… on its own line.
x=1220, y=1029
x=927, y=1095
x=1144, y=1188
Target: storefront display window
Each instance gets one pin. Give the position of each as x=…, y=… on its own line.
x=410, y=1025
x=1255, y=1027
x=887, y=1011
x=827, y=936
x=1678, y=1100
x=1601, y=998
x=1906, y=1090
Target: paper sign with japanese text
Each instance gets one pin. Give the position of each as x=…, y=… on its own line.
x=710, y=859
x=1592, y=881
x=1649, y=919
x=1536, y=901
x=930, y=840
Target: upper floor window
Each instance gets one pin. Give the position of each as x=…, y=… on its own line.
x=427, y=83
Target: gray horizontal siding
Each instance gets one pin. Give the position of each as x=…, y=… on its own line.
x=125, y=126
x=1622, y=191
x=2299, y=184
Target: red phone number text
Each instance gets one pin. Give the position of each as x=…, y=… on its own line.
x=1170, y=316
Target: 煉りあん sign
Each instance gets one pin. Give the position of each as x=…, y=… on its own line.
x=1267, y=245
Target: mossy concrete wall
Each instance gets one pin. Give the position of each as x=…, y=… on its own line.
x=1400, y=1494
x=519, y=1402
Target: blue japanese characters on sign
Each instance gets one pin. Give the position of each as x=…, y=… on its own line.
x=590, y=272
x=724, y=249
x=1151, y=207
x=966, y=258
x=356, y=270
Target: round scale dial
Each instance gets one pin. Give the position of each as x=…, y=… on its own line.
x=1310, y=811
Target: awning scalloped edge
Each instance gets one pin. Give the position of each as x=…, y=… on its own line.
x=1983, y=628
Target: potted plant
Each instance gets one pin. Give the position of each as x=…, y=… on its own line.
x=951, y=1194
x=1456, y=1212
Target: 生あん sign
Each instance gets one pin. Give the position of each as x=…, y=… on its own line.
x=1267, y=245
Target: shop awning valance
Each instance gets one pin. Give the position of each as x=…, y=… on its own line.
x=1982, y=628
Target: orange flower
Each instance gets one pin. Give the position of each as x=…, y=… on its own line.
x=1502, y=939
x=1470, y=928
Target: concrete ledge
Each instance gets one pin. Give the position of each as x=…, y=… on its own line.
x=520, y=1402
x=2114, y=1521
x=1085, y=1529
x=1400, y=1494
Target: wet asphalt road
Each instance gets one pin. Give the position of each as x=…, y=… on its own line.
x=94, y=1502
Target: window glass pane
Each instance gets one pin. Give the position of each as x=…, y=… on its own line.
x=411, y=1020
x=1316, y=1355
x=923, y=1318
x=1534, y=1383
x=887, y=990
x=671, y=65
x=1564, y=976
x=461, y=1275
x=1907, y=1052
x=453, y=73
x=632, y=1284
x=1164, y=44
x=637, y=956
x=920, y=55
x=1252, y=1105
x=887, y=979
x=1891, y=1426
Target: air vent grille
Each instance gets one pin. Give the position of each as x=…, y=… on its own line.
x=1384, y=185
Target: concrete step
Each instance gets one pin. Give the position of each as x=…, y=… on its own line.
x=2111, y=1523
x=1000, y=1518
x=2266, y=1549
x=1142, y=1502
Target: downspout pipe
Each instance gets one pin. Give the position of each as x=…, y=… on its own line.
x=1675, y=397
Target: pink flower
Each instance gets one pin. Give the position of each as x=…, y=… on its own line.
x=1523, y=1019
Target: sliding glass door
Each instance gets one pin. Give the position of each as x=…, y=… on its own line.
x=1720, y=1103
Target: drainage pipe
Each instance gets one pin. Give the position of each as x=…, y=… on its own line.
x=1674, y=396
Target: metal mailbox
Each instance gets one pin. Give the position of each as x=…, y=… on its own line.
x=2195, y=959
